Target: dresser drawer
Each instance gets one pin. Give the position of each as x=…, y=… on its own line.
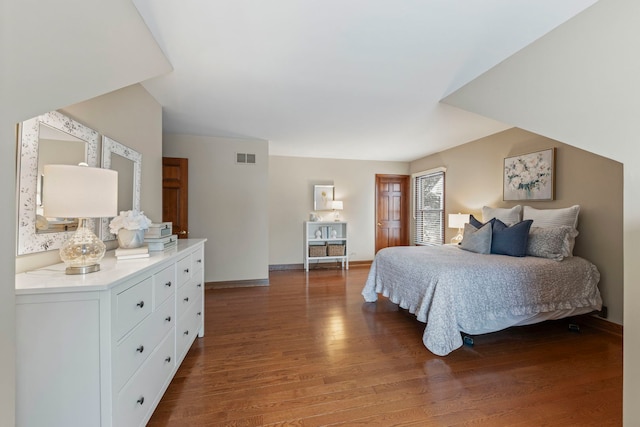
x=136, y=347
x=187, y=295
x=188, y=327
x=132, y=305
x=184, y=270
x=197, y=260
x=137, y=399
x=164, y=285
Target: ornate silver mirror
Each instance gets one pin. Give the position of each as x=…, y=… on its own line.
x=51, y=138
x=128, y=163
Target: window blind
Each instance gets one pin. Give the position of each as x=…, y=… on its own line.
x=429, y=208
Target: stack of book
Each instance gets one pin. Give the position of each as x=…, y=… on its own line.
x=160, y=236
x=158, y=230
x=161, y=243
x=132, y=253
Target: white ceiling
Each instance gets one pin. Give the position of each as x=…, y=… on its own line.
x=350, y=79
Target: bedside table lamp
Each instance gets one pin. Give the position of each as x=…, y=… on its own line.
x=336, y=205
x=80, y=192
x=458, y=221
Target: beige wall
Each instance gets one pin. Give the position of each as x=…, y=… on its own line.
x=84, y=58
x=132, y=117
x=228, y=204
x=579, y=84
x=291, y=181
x=7, y=264
x=474, y=179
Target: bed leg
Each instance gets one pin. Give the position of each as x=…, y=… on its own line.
x=467, y=340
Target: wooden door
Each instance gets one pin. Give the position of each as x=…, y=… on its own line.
x=175, y=194
x=392, y=211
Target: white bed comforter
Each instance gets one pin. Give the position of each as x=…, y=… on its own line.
x=453, y=290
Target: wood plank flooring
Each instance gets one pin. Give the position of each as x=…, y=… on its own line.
x=308, y=351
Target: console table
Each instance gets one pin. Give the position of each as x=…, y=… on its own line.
x=100, y=349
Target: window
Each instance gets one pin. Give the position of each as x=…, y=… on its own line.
x=429, y=207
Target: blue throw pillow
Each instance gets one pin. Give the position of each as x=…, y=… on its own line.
x=477, y=224
x=511, y=240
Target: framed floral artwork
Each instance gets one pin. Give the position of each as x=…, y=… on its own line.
x=530, y=176
x=322, y=197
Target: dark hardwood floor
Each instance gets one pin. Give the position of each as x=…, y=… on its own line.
x=308, y=351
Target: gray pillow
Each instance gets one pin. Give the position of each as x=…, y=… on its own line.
x=551, y=242
x=477, y=240
x=509, y=216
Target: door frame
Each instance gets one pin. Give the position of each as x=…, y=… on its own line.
x=405, y=220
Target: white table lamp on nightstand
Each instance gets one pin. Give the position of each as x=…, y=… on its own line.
x=458, y=221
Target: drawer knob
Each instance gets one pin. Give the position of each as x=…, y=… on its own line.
x=141, y=400
x=186, y=270
x=186, y=299
x=168, y=359
x=140, y=304
x=199, y=261
x=199, y=313
x=140, y=349
x=199, y=285
x=186, y=332
x=168, y=284
x=168, y=319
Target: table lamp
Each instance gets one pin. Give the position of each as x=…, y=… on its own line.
x=80, y=192
x=336, y=205
x=458, y=221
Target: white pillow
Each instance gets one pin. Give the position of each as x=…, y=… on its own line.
x=509, y=216
x=552, y=217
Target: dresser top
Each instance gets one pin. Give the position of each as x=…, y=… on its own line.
x=52, y=279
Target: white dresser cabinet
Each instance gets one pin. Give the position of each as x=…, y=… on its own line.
x=101, y=349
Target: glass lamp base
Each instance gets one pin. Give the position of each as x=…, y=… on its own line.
x=83, y=270
x=83, y=251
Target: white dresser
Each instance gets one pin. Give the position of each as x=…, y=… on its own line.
x=101, y=349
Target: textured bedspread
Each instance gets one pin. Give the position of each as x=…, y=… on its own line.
x=453, y=290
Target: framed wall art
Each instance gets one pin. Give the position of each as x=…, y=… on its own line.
x=530, y=176
x=322, y=197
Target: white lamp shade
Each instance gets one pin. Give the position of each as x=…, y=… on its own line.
x=336, y=205
x=79, y=192
x=458, y=220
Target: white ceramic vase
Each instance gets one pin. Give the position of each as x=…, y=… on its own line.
x=130, y=238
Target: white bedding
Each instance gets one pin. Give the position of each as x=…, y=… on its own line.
x=452, y=290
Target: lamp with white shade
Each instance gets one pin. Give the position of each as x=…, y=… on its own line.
x=80, y=192
x=458, y=221
x=336, y=206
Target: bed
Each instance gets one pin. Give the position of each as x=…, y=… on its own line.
x=453, y=290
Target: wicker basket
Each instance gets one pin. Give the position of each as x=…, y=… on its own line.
x=317, y=250
x=335, y=250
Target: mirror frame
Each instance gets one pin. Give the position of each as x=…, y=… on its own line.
x=28, y=240
x=109, y=147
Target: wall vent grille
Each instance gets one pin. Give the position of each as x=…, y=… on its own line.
x=246, y=158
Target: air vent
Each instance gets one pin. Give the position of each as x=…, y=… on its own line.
x=246, y=158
